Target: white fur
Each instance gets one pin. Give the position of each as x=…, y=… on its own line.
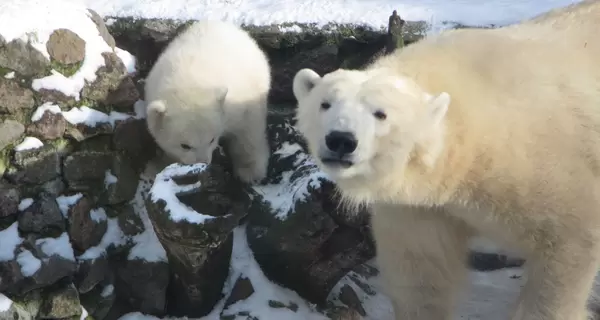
x=211, y=81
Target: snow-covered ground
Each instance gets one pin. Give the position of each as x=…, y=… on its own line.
x=373, y=13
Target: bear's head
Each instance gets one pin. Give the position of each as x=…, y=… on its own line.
x=364, y=126
x=187, y=124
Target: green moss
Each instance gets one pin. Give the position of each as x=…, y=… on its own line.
x=65, y=70
x=5, y=158
x=4, y=71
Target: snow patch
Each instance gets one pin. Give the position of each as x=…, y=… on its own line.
x=82, y=115
x=128, y=59
x=109, y=179
x=10, y=75
x=98, y=215
x=9, y=240
x=60, y=246
x=282, y=196
x=65, y=202
x=166, y=189
x=29, y=143
x=25, y=203
x=84, y=313
x=112, y=237
x=5, y=303
x=147, y=246
x=29, y=263
x=107, y=291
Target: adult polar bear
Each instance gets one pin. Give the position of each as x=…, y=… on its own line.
x=211, y=81
x=472, y=132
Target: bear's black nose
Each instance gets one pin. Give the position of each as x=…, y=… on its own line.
x=341, y=142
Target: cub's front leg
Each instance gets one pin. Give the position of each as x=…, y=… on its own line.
x=422, y=255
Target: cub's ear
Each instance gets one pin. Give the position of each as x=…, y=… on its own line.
x=438, y=106
x=156, y=108
x=304, y=81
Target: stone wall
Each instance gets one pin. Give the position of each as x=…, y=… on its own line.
x=84, y=233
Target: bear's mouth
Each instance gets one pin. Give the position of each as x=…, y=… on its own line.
x=337, y=162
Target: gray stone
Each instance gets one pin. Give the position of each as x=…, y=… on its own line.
x=129, y=221
x=131, y=137
x=86, y=227
x=99, y=302
x=108, y=78
x=50, y=126
x=23, y=58
x=242, y=290
x=42, y=217
x=10, y=276
x=126, y=185
x=87, y=165
x=91, y=272
x=14, y=99
x=16, y=312
x=60, y=303
x=10, y=131
x=350, y=298
x=144, y=284
x=102, y=28
x=37, y=166
x=124, y=96
x=9, y=199
x=66, y=47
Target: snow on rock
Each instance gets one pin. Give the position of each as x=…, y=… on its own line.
x=60, y=246
x=82, y=115
x=98, y=215
x=283, y=196
x=107, y=291
x=9, y=240
x=29, y=263
x=128, y=59
x=65, y=202
x=109, y=179
x=10, y=75
x=25, y=203
x=5, y=303
x=35, y=20
x=147, y=246
x=164, y=188
x=112, y=237
x=29, y=143
x=371, y=13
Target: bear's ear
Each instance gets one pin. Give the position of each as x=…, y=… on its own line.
x=156, y=107
x=438, y=106
x=304, y=81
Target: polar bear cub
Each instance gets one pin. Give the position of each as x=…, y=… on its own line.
x=211, y=81
x=472, y=132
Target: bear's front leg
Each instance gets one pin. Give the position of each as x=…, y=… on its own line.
x=422, y=255
x=249, y=147
x=560, y=278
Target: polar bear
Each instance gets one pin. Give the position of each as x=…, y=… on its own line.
x=211, y=81
x=468, y=133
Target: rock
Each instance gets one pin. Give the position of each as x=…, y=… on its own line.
x=124, y=96
x=10, y=132
x=197, y=247
x=91, y=272
x=55, y=96
x=61, y=302
x=50, y=126
x=66, y=47
x=108, y=78
x=123, y=189
x=9, y=199
x=350, y=298
x=87, y=225
x=42, y=217
x=129, y=221
x=10, y=276
x=343, y=313
x=298, y=242
x=104, y=33
x=242, y=290
x=84, y=166
x=52, y=188
x=395, y=38
x=37, y=166
x=15, y=100
x=99, y=301
x=144, y=285
x=23, y=58
x=132, y=138
x=15, y=312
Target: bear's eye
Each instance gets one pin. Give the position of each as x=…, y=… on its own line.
x=380, y=115
x=185, y=146
x=325, y=105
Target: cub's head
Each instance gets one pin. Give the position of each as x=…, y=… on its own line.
x=364, y=124
x=187, y=124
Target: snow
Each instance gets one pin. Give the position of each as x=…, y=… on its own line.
x=84, y=313
x=47, y=106
x=109, y=179
x=65, y=202
x=29, y=263
x=283, y=196
x=43, y=17
x=127, y=58
x=98, y=215
x=166, y=189
x=25, y=203
x=9, y=240
x=60, y=246
x=112, y=237
x=83, y=114
x=29, y=143
x=107, y=291
x=5, y=303
x=372, y=13
x=10, y=75
x=147, y=246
